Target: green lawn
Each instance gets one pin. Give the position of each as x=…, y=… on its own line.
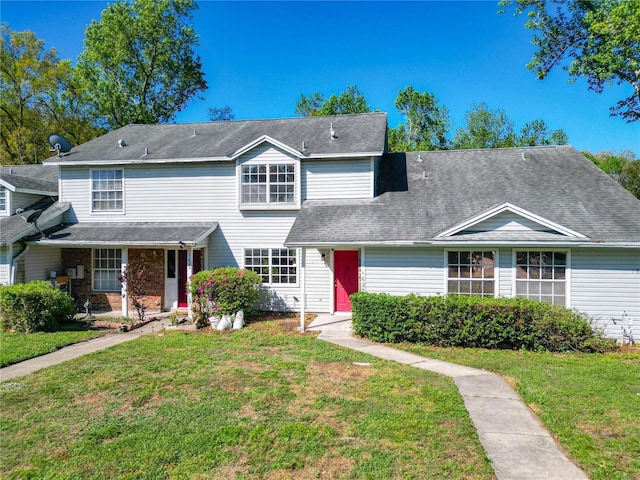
x=262, y=402
x=16, y=347
x=590, y=402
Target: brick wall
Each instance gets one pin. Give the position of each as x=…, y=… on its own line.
x=112, y=301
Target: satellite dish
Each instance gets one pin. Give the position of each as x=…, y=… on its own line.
x=32, y=217
x=59, y=144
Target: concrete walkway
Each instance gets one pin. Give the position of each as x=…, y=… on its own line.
x=78, y=349
x=519, y=447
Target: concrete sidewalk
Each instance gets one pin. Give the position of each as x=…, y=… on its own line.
x=78, y=349
x=515, y=441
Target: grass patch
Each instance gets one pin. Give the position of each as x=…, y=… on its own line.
x=16, y=347
x=590, y=402
x=261, y=402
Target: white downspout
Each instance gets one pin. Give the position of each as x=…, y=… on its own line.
x=303, y=292
x=12, y=273
x=189, y=273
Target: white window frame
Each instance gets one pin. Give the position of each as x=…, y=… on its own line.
x=92, y=191
x=4, y=197
x=494, y=279
x=116, y=268
x=268, y=184
x=268, y=253
x=540, y=281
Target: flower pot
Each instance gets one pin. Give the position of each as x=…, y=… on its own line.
x=238, y=322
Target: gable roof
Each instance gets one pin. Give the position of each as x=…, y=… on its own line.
x=36, y=179
x=423, y=194
x=356, y=135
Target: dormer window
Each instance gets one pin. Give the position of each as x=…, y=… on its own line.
x=268, y=184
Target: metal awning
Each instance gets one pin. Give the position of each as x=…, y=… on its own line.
x=149, y=234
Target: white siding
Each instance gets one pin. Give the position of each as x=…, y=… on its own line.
x=505, y=272
x=39, y=262
x=318, y=284
x=5, y=267
x=605, y=284
x=328, y=179
x=508, y=221
x=22, y=200
x=401, y=271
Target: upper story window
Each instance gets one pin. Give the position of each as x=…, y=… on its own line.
x=3, y=199
x=272, y=184
x=471, y=273
x=107, y=191
x=542, y=276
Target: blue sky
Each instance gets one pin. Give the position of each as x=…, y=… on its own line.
x=258, y=58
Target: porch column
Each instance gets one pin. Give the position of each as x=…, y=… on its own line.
x=189, y=273
x=303, y=292
x=123, y=287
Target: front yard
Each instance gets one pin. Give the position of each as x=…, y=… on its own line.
x=262, y=402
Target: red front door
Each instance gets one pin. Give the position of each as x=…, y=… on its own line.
x=346, y=278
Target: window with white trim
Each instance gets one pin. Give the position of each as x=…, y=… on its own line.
x=107, y=191
x=3, y=199
x=471, y=273
x=542, y=276
x=274, y=265
x=106, y=268
x=268, y=183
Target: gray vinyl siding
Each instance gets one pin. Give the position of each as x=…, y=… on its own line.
x=40, y=261
x=508, y=221
x=344, y=178
x=605, y=284
x=404, y=270
x=5, y=267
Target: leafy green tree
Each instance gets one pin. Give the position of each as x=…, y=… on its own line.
x=427, y=123
x=39, y=95
x=138, y=61
x=536, y=132
x=485, y=129
x=595, y=39
x=221, y=114
x=623, y=167
x=349, y=101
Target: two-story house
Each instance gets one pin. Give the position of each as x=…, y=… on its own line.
x=320, y=209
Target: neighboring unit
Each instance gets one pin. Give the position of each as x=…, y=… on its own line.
x=320, y=209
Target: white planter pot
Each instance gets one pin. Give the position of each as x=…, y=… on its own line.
x=238, y=322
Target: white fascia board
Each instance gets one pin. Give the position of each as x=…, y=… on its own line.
x=344, y=155
x=115, y=243
x=514, y=209
x=52, y=193
x=259, y=141
x=140, y=161
x=7, y=185
x=350, y=244
x=205, y=234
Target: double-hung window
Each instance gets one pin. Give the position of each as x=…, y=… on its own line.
x=3, y=199
x=274, y=265
x=268, y=184
x=471, y=273
x=106, y=268
x=542, y=276
x=107, y=191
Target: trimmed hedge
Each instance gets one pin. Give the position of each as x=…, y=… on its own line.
x=35, y=306
x=473, y=321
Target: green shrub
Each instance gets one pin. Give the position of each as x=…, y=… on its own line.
x=34, y=306
x=223, y=291
x=471, y=321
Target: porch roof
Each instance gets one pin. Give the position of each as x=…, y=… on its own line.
x=152, y=234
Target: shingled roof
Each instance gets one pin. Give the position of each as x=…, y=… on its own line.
x=424, y=194
x=363, y=134
x=38, y=179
